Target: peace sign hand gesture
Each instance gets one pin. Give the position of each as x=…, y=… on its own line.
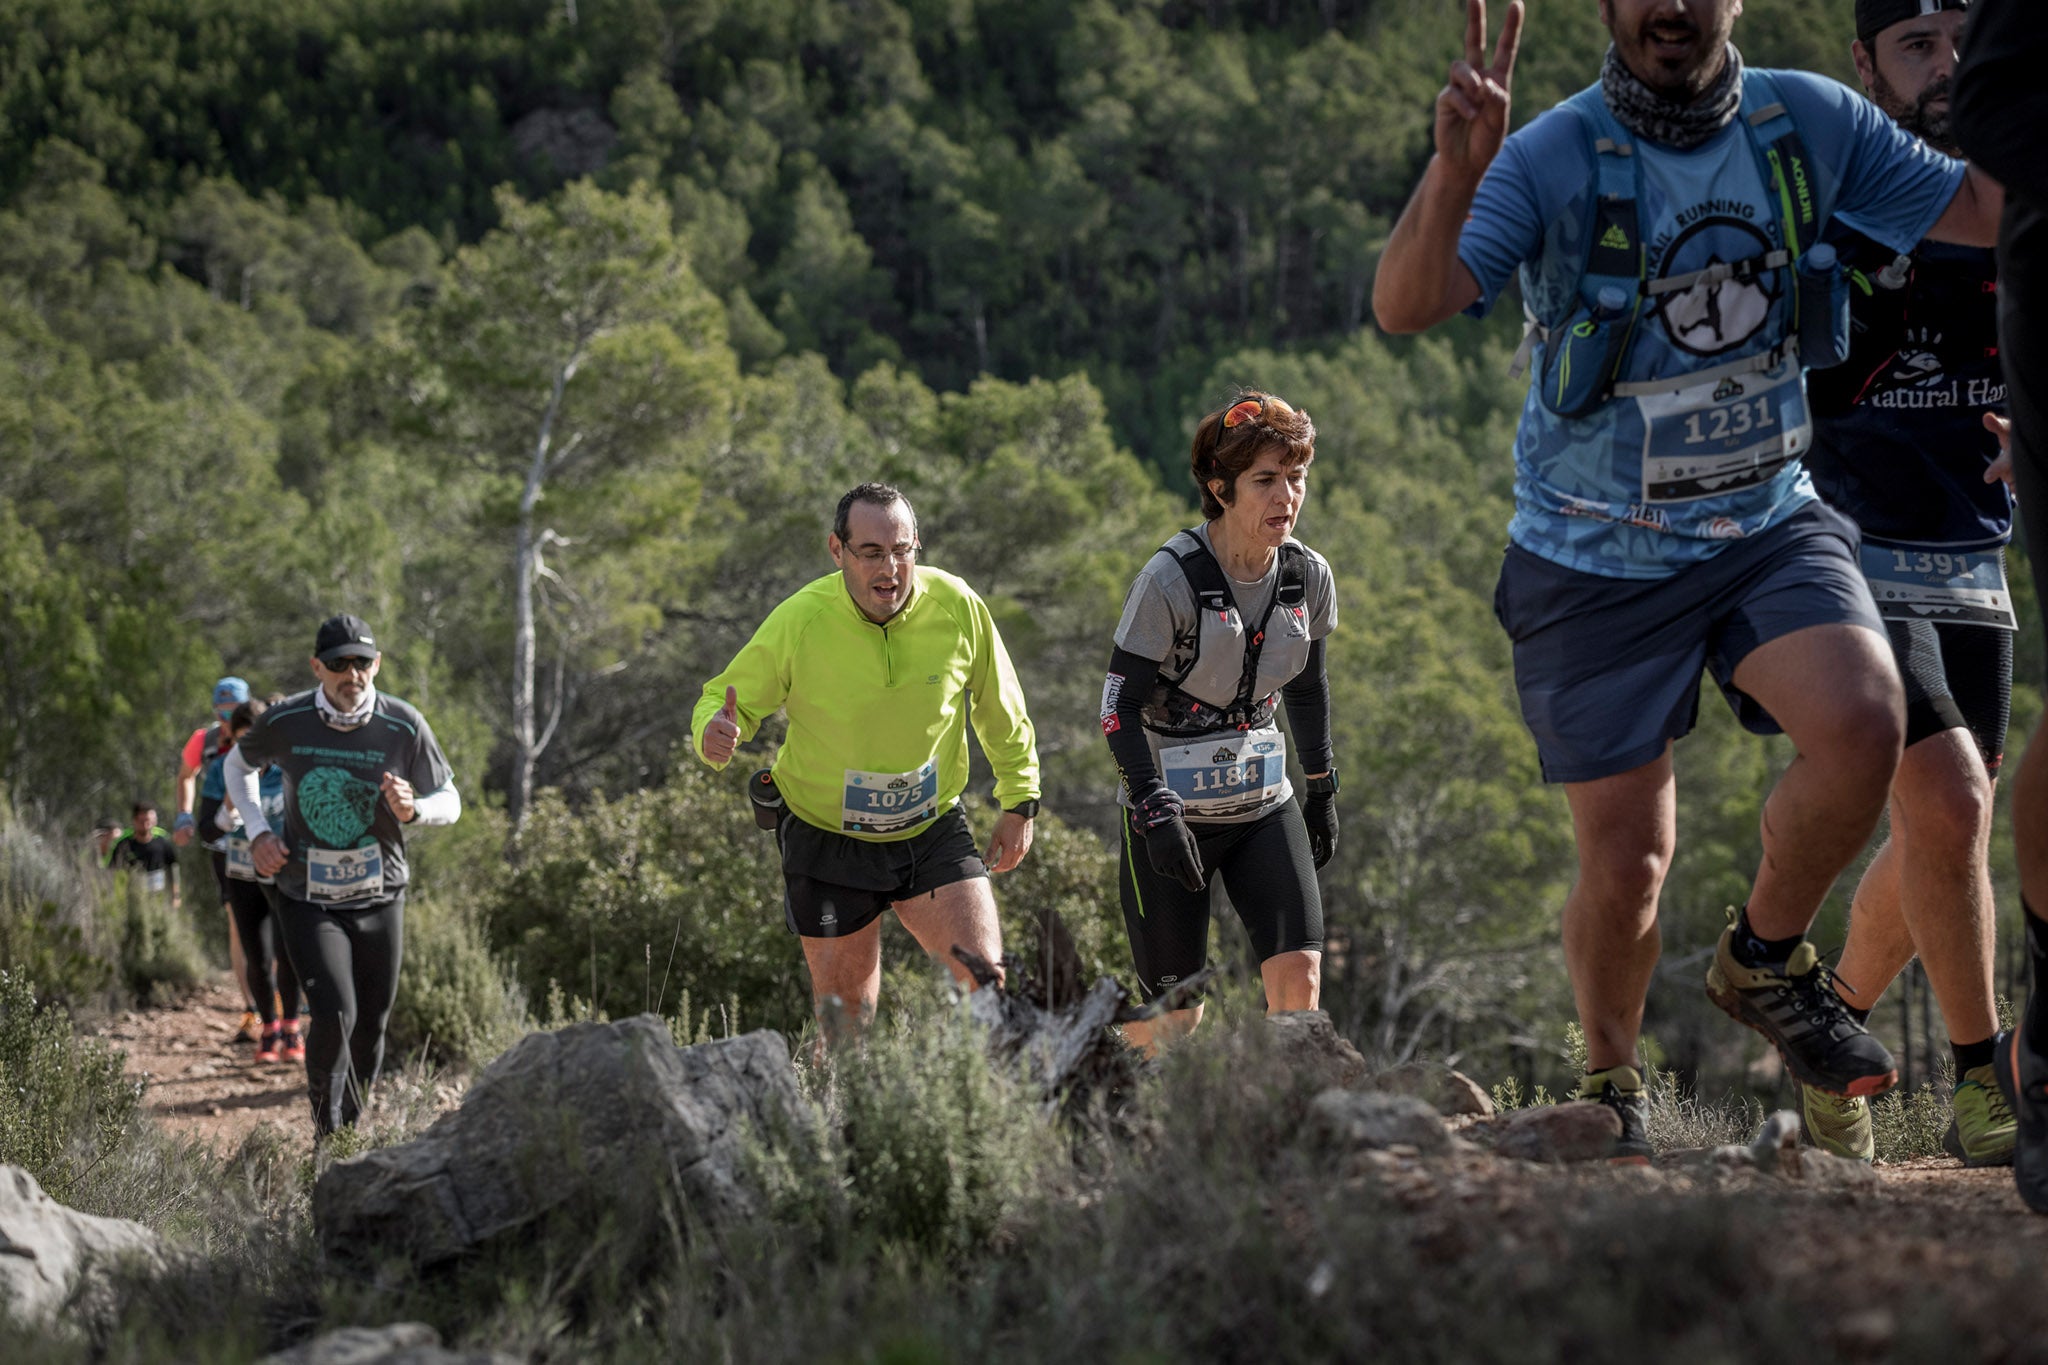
x=1472, y=110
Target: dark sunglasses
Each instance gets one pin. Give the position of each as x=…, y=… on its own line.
x=348, y=664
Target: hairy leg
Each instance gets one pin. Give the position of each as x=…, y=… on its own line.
x=1848, y=735
x=1627, y=829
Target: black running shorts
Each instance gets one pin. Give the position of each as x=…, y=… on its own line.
x=1267, y=871
x=1957, y=676
x=835, y=885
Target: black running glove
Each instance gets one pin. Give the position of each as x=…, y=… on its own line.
x=1319, y=813
x=1168, y=841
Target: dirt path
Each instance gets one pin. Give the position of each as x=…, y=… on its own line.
x=202, y=1083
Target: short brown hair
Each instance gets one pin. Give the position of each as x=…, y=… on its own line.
x=1230, y=440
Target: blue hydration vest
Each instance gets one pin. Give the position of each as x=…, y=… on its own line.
x=1672, y=315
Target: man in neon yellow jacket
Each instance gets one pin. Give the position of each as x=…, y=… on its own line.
x=880, y=666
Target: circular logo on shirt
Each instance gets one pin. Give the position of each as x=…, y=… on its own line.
x=1708, y=319
x=337, y=806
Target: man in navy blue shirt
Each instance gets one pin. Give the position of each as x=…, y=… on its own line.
x=1901, y=444
x=2001, y=108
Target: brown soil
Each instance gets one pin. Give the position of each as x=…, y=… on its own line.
x=202, y=1082
x=205, y=1084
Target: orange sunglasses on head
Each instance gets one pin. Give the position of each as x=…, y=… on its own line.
x=1243, y=412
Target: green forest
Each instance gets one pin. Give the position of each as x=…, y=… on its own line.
x=380, y=305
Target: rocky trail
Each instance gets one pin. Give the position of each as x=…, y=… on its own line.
x=1903, y=1261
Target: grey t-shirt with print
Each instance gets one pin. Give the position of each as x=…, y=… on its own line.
x=333, y=797
x=1159, y=622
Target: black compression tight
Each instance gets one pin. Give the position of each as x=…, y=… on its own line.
x=274, y=989
x=347, y=962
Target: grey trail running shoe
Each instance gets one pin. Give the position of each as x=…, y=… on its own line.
x=1620, y=1088
x=1837, y=1123
x=2023, y=1079
x=1798, y=1010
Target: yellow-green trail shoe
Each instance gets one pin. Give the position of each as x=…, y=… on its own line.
x=1983, y=1131
x=1837, y=1123
x=1620, y=1088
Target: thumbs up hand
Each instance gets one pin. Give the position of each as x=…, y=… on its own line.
x=722, y=731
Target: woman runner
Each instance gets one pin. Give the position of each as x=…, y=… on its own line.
x=1224, y=621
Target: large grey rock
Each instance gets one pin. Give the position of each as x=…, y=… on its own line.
x=401, y=1343
x=601, y=1119
x=1578, y=1130
x=45, y=1247
x=1451, y=1092
x=1364, y=1118
x=1311, y=1046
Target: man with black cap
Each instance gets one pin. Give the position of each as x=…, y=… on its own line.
x=2001, y=110
x=1905, y=443
x=358, y=766
x=1664, y=225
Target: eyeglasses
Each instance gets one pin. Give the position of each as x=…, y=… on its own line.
x=349, y=665
x=875, y=554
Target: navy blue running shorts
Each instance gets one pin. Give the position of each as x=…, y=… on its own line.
x=1608, y=669
x=835, y=885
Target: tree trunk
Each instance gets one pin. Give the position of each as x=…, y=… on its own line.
x=525, y=749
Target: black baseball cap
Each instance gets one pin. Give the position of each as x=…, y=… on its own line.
x=1875, y=16
x=343, y=637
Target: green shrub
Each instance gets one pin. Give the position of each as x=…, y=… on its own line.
x=454, y=1001
x=1905, y=1124
x=51, y=930
x=159, y=957
x=628, y=904
x=40, y=942
x=925, y=1149
x=66, y=1103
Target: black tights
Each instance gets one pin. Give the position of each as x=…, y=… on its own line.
x=266, y=970
x=347, y=961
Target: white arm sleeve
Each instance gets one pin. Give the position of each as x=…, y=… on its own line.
x=443, y=807
x=245, y=789
x=227, y=818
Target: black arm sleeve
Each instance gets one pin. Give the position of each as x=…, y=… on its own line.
x=2000, y=100
x=1307, y=695
x=1130, y=681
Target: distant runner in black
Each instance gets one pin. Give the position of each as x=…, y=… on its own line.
x=1902, y=444
x=147, y=853
x=358, y=767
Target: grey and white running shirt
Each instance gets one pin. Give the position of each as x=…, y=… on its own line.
x=1160, y=622
x=346, y=845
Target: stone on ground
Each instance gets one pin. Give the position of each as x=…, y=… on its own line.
x=1578, y=1130
x=1310, y=1045
x=45, y=1248
x=600, y=1121
x=1364, y=1118
x=401, y=1343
